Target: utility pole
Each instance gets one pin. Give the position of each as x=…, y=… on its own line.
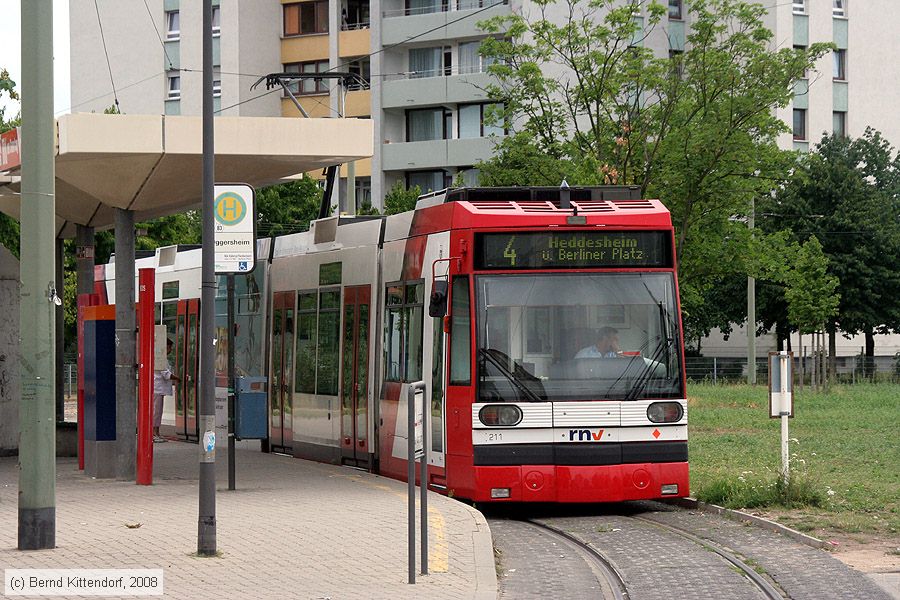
x=206, y=522
x=38, y=298
x=751, y=309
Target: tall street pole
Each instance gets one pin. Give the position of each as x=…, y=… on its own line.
x=206, y=523
x=38, y=297
x=751, y=309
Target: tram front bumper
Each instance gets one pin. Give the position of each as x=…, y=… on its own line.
x=581, y=483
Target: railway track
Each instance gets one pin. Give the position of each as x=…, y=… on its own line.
x=622, y=557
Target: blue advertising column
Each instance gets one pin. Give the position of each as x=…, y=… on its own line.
x=100, y=391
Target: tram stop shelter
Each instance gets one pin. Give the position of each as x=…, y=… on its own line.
x=114, y=170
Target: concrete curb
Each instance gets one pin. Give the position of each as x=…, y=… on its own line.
x=760, y=522
x=486, y=587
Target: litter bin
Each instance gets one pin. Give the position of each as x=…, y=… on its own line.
x=251, y=422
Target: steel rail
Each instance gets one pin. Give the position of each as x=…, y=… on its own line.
x=615, y=581
x=758, y=580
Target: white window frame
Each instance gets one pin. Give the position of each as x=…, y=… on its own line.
x=838, y=8
x=173, y=93
x=216, y=21
x=798, y=7
x=173, y=34
x=217, y=88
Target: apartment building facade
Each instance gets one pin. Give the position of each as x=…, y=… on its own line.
x=419, y=75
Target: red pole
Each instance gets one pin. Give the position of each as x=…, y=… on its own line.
x=83, y=300
x=146, y=330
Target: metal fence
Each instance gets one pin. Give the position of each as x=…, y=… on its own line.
x=849, y=369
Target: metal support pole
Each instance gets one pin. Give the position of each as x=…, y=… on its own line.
x=751, y=309
x=146, y=291
x=126, y=421
x=206, y=520
x=784, y=388
x=423, y=483
x=715, y=370
x=231, y=382
x=411, y=480
x=60, y=332
x=38, y=296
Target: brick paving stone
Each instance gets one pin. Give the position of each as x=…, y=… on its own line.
x=804, y=573
x=534, y=564
x=293, y=528
x=655, y=564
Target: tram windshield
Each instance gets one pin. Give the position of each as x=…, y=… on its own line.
x=577, y=336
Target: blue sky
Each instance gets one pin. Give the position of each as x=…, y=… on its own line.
x=11, y=51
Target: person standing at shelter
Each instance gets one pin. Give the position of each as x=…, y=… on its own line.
x=162, y=386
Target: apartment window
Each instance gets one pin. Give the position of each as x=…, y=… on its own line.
x=799, y=7
x=470, y=61
x=355, y=15
x=839, y=123
x=428, y=181
x=173, y=87
x=472, y=121
x=799, y=124
x=173, y=25
x=363, y=192
x=216, y=27
x=362, y=68
x=304, y=18
x=470, y=4
x=840, y=64
x=430, y=62
x=311, y=85
x=217, y=88
x=423, y=7
x=801, y=49
x=426, y=124
x=676, y=63
x=675, y=9
x=837, y=9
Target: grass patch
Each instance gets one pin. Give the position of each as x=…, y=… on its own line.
x=844, y=455
x=740, y=492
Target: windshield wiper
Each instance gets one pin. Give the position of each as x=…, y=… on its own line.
x=650, y=365
x=486, y=354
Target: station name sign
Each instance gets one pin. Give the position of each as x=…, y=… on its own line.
x=235, y=228
x=573, y=249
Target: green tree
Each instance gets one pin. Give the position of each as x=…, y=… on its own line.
x=811, y=292
x=847, y=194
x=288, y=207
x=399, y=199
x=585, y=99
x=9, y=227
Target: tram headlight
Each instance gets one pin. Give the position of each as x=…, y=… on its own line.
x=500, y=415
x=665, y=412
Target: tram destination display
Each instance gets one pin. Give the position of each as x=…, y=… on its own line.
x=573, y=249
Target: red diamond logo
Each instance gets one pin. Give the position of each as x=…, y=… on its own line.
x=656, y=433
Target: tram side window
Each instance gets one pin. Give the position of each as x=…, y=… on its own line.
x=460, y=327
x=305, y=376
x=329, y=332
x=403, y=319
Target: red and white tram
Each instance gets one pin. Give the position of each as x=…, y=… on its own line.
x=555, y=371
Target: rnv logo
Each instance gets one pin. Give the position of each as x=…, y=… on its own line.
x=585, y=435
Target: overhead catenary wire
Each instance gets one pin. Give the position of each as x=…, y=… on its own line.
x=156, y=29
x=105, y=52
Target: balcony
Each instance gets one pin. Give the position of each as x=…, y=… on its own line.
x=406, y=91
x=435, y=154
x=397, y=25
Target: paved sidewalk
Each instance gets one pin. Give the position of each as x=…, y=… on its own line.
x=292, y=529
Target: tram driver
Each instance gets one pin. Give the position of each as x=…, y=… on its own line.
x=606, y=345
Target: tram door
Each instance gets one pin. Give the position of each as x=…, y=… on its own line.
x=280, y=392
x=354, y=376
x=187, y=335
